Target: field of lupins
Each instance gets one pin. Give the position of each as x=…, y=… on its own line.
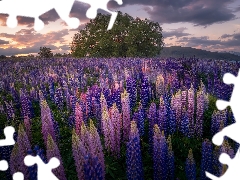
x=114, y=118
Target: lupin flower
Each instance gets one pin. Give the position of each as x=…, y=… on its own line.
x=108, y=132
x=92, y=168
x=25, y=104
x=15, y=95
x=225, y=148
x=185, y=124
x=104, y=105
x=51, y=90
x=19, y=152
x=116, y=96
x=133, y=155
x=145, y=93
x=199, y=115
x=126, y=111
x=216, y=164
x=43, y=90
x=176, y=104
x=152, y=117
x=73, y=101
x=96, y=146
x=27, y=124
x=207, y=158
x=33, y=169
x=217, y=117
x=171, y=117
x=139, y=118
x=84, y=137
x=53, y=151
x=184, y=95
x=10, y=110
x=190, y=110
x=79, y=153
x=47, y=123
x=116, y=120
x=190, y=166
x=58, y=98
x=89, y=112
x=33, y=94
x=162, y=120
x=132, y=90
x=78, y=118
x=171, y=166
x=160, y=155
x=205, y=94
x=160, y=86
x=97, y=113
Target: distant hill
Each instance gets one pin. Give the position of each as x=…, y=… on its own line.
x=178, y=51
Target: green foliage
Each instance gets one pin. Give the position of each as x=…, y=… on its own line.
x=45, y=52
x=129, y=37
x=116, y=168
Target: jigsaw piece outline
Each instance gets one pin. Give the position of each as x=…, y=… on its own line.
x=230, y=131
x=233, y=167
x=9, y=140
x=3, y=165
x=36, y=8
x=44, y=171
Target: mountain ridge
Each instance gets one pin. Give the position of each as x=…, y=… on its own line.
x=178, y=51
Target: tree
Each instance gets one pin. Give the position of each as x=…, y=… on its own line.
x=45, y=52
x=129, y=37
x=30, y=56
x=3, y=57
x=58, y=55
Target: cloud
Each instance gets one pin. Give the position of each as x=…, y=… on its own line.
x=15, y=51
x=30, y=41
x=225, y=36
x=78, y=10
x=30, y=50
x=205, y=42
x=29, y=37
x=2, y=42
x=81, y=26
x=179, y=32
x=237, y=9
x=198, y=12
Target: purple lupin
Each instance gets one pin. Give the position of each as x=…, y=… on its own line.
x=126, y=119
x=160, y=155
x=190, y=110
x=53, y=151
x=133, y=155
x=19, y=152
x=79, y=153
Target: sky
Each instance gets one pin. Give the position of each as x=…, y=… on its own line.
x=212, y=25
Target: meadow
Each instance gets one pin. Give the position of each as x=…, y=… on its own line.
x=116, y=118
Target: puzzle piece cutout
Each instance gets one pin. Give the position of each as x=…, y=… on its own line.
x=18, y=176
x=35, y=8
x=230, y=131
x=96, y=4
x=9, y=140
x=233, y=172
x=3, y=165
x=44, y=170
